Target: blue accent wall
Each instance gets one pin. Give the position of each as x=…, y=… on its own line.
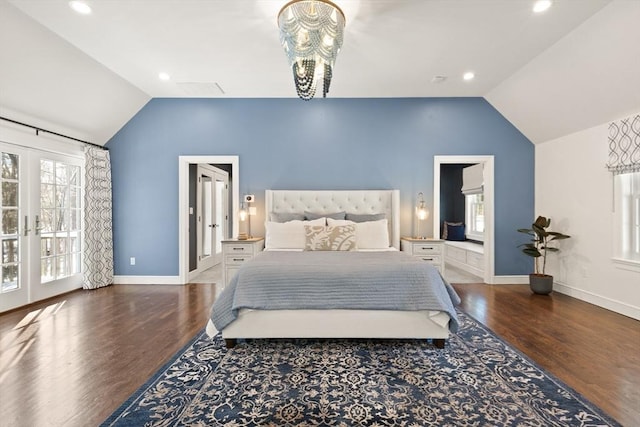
x=320, y=144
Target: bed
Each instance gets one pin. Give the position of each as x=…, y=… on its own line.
x=363, y=291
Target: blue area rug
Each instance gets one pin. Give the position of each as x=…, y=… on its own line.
x=477, y=380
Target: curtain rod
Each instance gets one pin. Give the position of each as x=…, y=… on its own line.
x=38, y=130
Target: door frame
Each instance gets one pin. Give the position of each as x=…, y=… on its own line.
x=183, y=204
x=489, y=205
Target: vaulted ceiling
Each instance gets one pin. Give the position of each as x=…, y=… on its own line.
x=550, y=74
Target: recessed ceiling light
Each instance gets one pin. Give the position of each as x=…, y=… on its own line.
x=164, y=76
x=469, y=75
x=80, y=7
x=541, y=5
x=438, y=79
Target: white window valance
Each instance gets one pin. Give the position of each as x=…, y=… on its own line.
x=473, y=179
x=624, y=146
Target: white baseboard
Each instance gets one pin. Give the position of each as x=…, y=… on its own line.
x=510, y=280
x=608, y=303
x=147, y=280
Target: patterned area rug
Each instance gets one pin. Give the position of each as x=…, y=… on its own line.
x=477, y=380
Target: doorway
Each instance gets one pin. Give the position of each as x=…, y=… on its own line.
x=488, y=175
x=186, y=212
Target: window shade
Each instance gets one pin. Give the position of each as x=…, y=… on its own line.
x=624, y=146
x=472, y=179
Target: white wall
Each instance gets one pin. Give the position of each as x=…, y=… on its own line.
x=47, y=82
x=575, y=190
x=586, y=78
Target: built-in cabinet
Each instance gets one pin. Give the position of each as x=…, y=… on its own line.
x=466, y=255
x=428, y=250
x=236, y=252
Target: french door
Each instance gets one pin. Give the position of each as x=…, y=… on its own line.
x=211, y=201
x=41, y=225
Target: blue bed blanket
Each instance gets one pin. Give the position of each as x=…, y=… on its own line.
x=281, y=280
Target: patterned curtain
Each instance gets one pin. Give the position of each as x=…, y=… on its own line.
x=624, y=146
x=98, y=240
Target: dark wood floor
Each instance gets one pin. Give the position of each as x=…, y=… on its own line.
x=72, y=360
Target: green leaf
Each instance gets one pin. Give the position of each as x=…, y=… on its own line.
x=527, y=231
x=540, y=230
x=532, y=252
x=558, y=236
x=542, y=222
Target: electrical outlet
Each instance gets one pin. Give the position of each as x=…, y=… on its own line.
x=132, y=260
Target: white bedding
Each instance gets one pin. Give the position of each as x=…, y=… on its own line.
x=337, y=323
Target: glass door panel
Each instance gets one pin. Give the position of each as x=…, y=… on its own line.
x=13, y=290
x=59, y=220
x=207, y=217
x=220, y=213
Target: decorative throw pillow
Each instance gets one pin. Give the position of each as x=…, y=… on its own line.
x=338, y=238
x=315, y=215
x=365, y=217
x=285, y=216
x=445, y=228
x=455, y=232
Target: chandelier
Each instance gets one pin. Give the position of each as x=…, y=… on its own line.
x=311, y=32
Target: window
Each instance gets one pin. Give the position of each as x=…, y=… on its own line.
x=474, y=212
x=473, y=190
x=627, y=216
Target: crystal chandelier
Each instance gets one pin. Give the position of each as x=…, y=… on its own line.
x=311, y=32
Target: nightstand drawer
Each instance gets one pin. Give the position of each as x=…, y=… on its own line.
x=238, y=248
x=426, y=249
x=237, y=259
x=432, y=259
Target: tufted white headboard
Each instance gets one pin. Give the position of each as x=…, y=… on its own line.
x=330, y=201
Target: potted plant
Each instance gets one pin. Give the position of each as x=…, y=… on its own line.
x=539, y=281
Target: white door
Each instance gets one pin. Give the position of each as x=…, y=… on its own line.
x=41, y=222
x=14, y=291
x=212, y=215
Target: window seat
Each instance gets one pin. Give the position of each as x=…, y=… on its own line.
x=467, y=256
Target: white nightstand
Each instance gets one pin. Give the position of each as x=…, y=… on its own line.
x=235, y=252
x=429, y=250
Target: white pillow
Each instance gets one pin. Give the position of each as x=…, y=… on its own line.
x=373, y=234
x=369, y=234
x=287, y=235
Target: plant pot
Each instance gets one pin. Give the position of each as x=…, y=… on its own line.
x=541, y=284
